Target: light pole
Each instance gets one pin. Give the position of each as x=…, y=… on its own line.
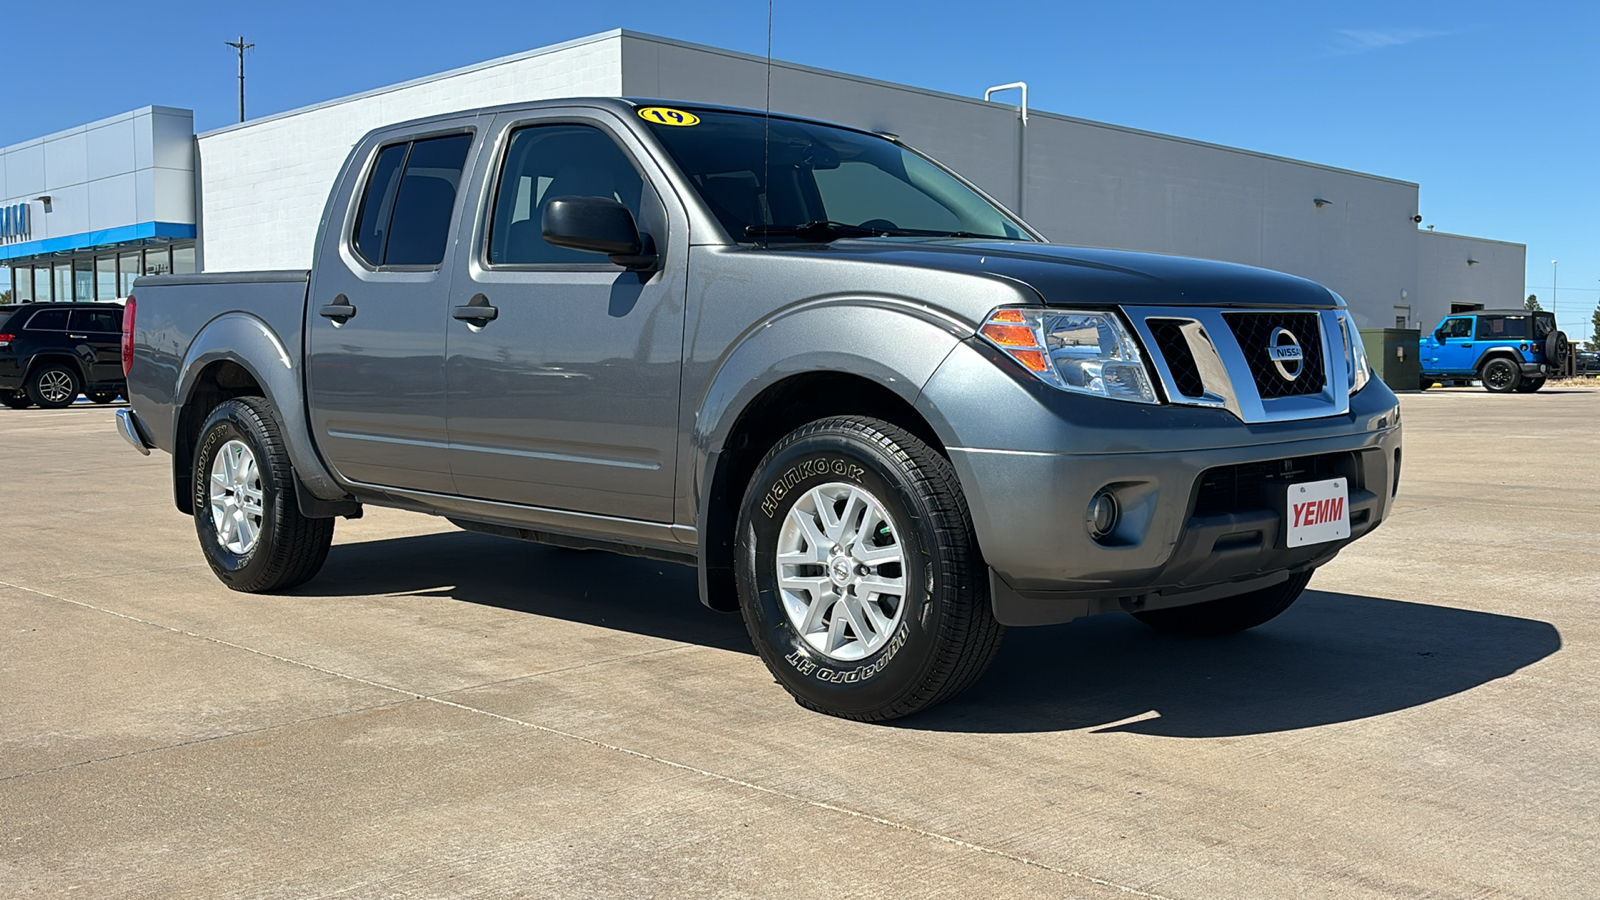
x=1555, y=270
x=241, y=46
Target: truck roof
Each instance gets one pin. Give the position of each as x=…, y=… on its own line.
x=615, y=104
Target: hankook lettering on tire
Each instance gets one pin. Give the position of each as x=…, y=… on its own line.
x=808, y=469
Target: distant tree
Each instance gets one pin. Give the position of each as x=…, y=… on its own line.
x=5, y=297
x=1533, y=303
x=1594, y=339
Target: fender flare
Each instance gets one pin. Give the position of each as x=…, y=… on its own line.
x=67, y=356
x=247, y=341
x=894, y=343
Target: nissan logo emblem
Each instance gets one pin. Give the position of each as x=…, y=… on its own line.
x=1283, y=348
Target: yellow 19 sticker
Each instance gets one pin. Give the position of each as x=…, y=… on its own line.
x=666, y=115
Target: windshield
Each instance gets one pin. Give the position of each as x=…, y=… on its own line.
x=815, y=182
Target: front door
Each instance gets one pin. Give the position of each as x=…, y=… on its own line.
x=376, y=316
x=568, y=398
x=1452, y=349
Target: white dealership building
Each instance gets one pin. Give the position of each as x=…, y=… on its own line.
x=141, y=187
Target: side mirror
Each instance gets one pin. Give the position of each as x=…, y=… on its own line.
x=596, y=225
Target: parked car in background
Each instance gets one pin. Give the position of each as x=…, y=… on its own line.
x=1588, y=362
x=1507, y=349
x=52, y=352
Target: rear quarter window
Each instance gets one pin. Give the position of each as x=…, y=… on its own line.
x=408, y=201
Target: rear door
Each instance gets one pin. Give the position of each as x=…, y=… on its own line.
x=99, y=333
x=377, y=308
x=568, y=398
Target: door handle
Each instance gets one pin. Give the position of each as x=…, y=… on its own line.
x=340, y=310
x=477, y=311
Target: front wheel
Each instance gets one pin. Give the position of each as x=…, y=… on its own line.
x=1427, y=382
x=245, y=512
x=1230, y=614
x=1500, y=375
x=859, y=573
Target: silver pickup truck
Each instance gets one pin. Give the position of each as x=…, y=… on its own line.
x=877, y=411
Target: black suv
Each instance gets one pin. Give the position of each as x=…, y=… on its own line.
x=51, y=352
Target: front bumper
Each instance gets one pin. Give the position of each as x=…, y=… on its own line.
x=1201, y=493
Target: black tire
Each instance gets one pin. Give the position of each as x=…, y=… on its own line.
x=102, y=397
x=1500, y=375
x=944, y=634
x=290, y=548
x=1556, y=349
x=1230, y=614
x=1529, y=385
x=18, y=400
x=1428, y=383
x=53, y=385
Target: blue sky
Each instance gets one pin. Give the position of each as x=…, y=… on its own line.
x=1491, y=107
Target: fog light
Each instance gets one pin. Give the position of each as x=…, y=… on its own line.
x=1101, y=518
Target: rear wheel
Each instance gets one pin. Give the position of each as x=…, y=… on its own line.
x=1230, y=614
x=1530, y=385
x=859, y=573
x=53, y=386
x=1500, y=375
x=16, y=400
x=245, y=512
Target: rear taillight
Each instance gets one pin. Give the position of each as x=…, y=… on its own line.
x=6, y=339
x=128, y=313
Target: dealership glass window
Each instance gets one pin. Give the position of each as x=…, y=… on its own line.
x=157, y=261
x=83, y=279
x=105, y=278
x=41, y=283
x=128, y=268
x=63, y=281
x=22, y=278
x=183, y=260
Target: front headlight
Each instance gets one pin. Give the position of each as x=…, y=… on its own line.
x=1357, y=368
x=1079, y=351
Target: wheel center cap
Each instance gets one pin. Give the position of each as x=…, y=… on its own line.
x=840, y=569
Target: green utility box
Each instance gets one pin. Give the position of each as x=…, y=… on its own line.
x=1395, y=357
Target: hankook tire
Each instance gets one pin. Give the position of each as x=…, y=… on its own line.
x=245, y=512
x=859, y=573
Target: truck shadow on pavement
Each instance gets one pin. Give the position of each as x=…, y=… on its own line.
x=1331, y=658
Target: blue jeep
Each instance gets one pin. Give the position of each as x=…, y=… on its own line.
x=1507, y=349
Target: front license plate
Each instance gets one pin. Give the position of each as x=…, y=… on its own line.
x=1319, y=511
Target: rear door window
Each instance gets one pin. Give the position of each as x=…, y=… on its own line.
x=406, y=207
x=103, y=321
x=48, y=320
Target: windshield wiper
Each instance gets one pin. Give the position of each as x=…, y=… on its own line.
x=818, y=228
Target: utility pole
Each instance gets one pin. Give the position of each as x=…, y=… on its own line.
x=241, y=46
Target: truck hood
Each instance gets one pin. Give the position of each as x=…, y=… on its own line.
x=1073, y=276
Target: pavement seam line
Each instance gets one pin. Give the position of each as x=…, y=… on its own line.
x=638, y=754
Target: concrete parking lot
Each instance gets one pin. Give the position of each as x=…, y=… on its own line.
x=443, y=714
